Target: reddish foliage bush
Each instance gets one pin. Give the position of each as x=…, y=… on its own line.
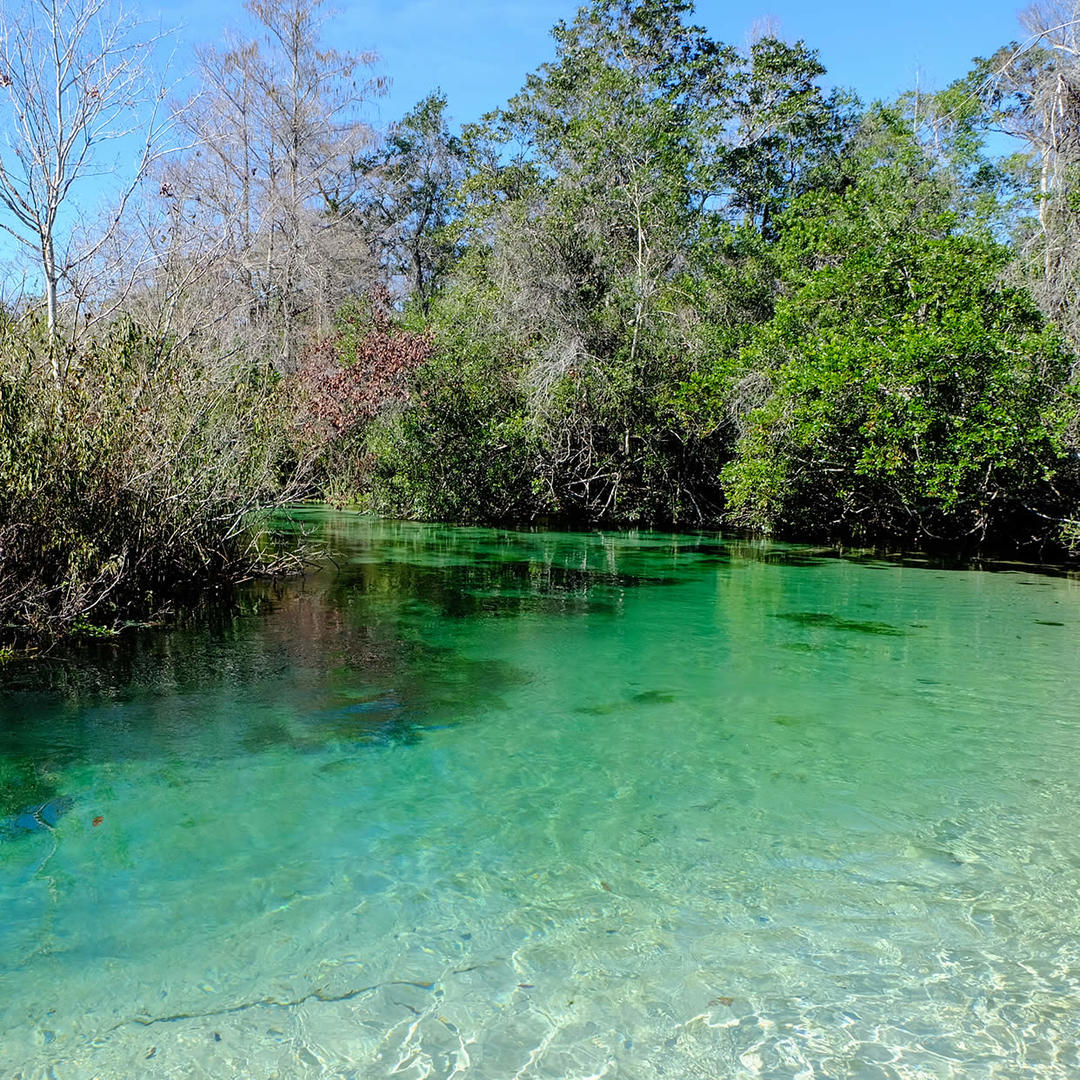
x=347, y=379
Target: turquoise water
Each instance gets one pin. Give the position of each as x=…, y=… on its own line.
x=509, y=806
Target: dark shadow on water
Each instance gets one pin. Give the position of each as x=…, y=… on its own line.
x=644, y=698
x=358, y=654
x=823, y=620
x=361, y=653
x=293, y=666
x=501, y=588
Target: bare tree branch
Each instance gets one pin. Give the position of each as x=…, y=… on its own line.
x=78, y=79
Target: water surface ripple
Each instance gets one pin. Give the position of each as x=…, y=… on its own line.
x=505, y=805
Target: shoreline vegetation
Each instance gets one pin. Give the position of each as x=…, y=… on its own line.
x=671, y=283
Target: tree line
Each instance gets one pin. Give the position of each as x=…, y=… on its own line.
x=670, y=282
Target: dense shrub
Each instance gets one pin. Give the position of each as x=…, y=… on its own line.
x=906, y=392
x=140, y=476
x=462, y=449
x=345, y=381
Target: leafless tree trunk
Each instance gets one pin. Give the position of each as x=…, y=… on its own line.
x=77, y=77
x=279, y=131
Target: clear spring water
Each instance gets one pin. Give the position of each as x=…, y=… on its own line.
x=499, y=805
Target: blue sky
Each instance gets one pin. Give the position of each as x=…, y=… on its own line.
x=479, y=51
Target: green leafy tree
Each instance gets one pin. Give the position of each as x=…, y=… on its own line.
x=409, y=198
x=582, y=195
x=785, y=134
x=904, y=390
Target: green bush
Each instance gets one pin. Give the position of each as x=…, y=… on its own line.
x=911, y=395
x=462, y=448
x=135, y=480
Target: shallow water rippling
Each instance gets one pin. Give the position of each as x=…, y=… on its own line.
x=497, y=805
